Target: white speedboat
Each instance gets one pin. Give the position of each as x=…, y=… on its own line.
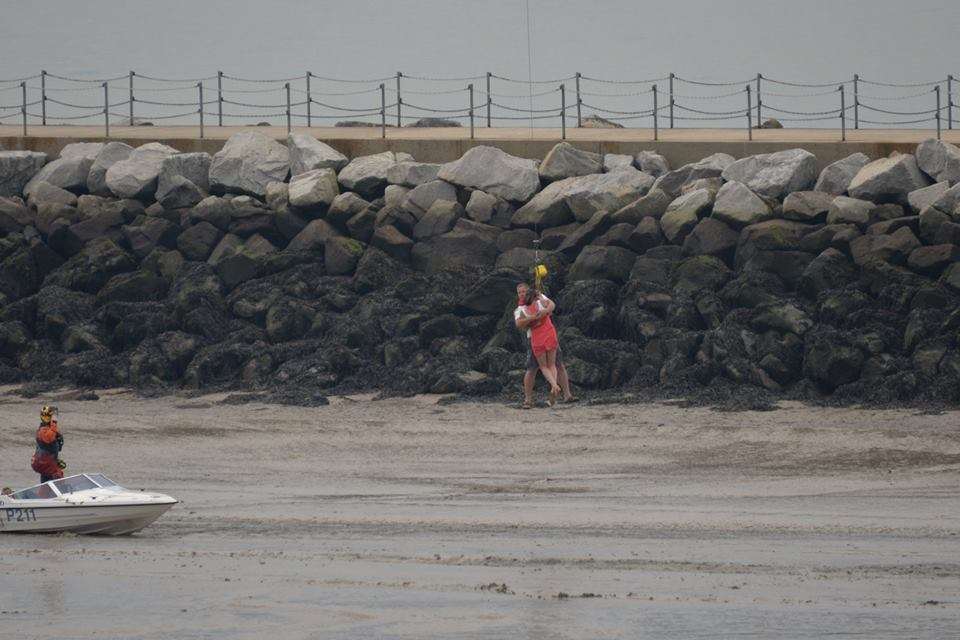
x=84, y=503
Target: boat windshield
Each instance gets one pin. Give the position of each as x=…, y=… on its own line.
x=102, y=480
x=74, y=483
x=39, y=492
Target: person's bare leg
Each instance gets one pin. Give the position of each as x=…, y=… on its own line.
x=529, y=378
x=548, y=373
x=564, y=381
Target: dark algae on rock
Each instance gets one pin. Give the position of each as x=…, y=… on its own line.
x=735, y=281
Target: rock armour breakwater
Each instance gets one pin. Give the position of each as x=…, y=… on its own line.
x=159, y=269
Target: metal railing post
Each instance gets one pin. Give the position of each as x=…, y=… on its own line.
x=856, y=101
x=131, y=97
x=843, y=114
x=579, y=101
x=749, y=114
x=383, y=111
x=43, y=98
x=399, y=101
x=23, y=107
x=671, y=99
x=563, y=111
x=219, y=98
x=200, y=90
x=489, y=98
x=287, y=87
x=936, y=90
x=106, y=109
x=308, y=99
x=759, y=99
x=470, y=90
x=950, y=102
x=656, y=133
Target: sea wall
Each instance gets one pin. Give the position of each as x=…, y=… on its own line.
x=162, y=266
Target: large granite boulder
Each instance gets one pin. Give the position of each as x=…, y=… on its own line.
x=314, y=237
x=807, y=206
x=314, y=189
x=712, y=166
x=307, y=153
x=422, y=197
x=70, y=170
x=494, y=171
x=651, y=163
x=345, y=206
x=602, y=263
x=774, y=175
x=922, y=198
x=566, y=161
x=836, y=176
x=489, y=209
x=367, y=175
x=440, y=218
x=684, y=213
x=412, y=174
x=618, y=162
x=587, y=195
x=247, y=163
x=711, y=237
x=844, y=210
x=939, y=160
x=888, y=180
x=16, y=170
x=581, y=198
x=136, y=177
x=653, y=205
x=195, y=167
x=183, y=180
x=110, y=154
x=470, y=245
x=738, y=206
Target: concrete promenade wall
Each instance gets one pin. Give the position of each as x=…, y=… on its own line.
x=444, y=147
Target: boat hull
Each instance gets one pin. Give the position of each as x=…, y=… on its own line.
x=104, y=519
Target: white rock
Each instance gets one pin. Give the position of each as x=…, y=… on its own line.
x=16, y=170
x=247, y=163
x=66, y=173
x=738, y=206
x=136, y=177
x=939, y=160
x=494, y=171
x=566, y=161
x=617, y=162
x=367, y=175
x=652, y=163
x=308, y=153
x=112, y=153
x=419, y=199
x=316, y=188
x=836, y=177
x=412, y=174
x=195, y=167
x=888, y=179
x=774, y=175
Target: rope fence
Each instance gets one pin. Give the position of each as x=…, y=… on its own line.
x=301, y=99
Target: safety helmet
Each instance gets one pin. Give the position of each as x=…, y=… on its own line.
x=46, y=413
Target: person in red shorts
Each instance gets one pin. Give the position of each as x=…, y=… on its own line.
x=46, y=459
x=543, y=340
x=523, y=322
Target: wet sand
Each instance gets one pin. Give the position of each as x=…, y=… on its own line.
x=412, y=519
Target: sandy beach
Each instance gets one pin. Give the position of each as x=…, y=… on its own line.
x=411, y=518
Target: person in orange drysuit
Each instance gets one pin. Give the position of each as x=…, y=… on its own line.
x=46, y=460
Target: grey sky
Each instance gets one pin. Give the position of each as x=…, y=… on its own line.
x=801, y=40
